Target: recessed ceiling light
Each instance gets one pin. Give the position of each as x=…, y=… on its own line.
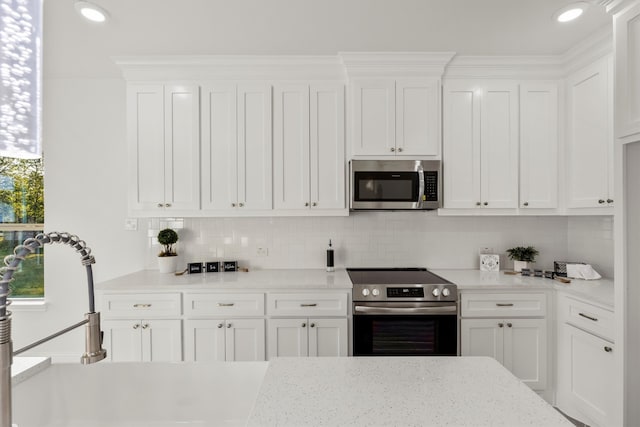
x=570, y=11
x=91, y=11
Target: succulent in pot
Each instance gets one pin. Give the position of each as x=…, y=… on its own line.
x=522, y=256
x=167, y=257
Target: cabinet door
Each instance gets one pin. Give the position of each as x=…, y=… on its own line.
x=586, y=376
x=291, y=147
x=182, y=148
x=539, y=145
x=161, y=341
x=461, y=144
x=589, y=148
x=418, y=117
x=499, y=145
x=244, y=340
x=525, y=350
x=328, y=337
x=327, y=156
x=373, y=117
x=482, y=337
x=254, y=147
x=627, y=40
x=219, y=147
x=145, y=130
x=123, y=340
x=287, y=338
x=204, y=340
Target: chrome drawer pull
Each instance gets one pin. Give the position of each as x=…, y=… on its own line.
x=308, y=305
x=226, y=304
x=608, y=349
x=588, y=317
x=504, y=304
x=141, y=305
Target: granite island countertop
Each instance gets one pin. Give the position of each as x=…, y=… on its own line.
x=397, y=391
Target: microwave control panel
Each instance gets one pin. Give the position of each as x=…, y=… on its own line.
x=430, y=186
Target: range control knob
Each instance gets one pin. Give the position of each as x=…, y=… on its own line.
x=435, y=292
x=365, y=292
x=375, y=292
x=446, y=292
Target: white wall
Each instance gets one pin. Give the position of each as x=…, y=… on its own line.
x=85, y=182
x=412, y=239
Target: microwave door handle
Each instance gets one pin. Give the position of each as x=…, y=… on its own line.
x=420, y=186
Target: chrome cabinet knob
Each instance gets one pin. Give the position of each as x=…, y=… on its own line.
x=509, y=324
x=167, y=205
x=478, y=203
x=220, y=325
x=608, y=349
x=136, y=326
x=393, y=150
x=145, y=326
x=160, y=205
x=241, y=204
x=500, y=325
x=314, y=204
x=400, y=149
x=304, y=325
x=313, y=325
x=486, y=203
x=306, y=204
x=609, y=200
x=233, y=205
x=601, y=201
x=525, y=204
x=228, y=325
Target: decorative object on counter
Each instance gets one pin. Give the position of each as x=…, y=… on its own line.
x=525, y=272
x=549, y=274
x=582, y=271
x=195, y=267
x=522, y=256
x=537, y=273
x=489, y=262
x=230, y=266
x=563, y=280
x=180, y=273
x=560, y=267
x=511, y=273
x=167, y=257
x=330, y=266
x=213, y=267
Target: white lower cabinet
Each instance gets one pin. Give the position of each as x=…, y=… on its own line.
x=224, y=340
x=512, y=328
x=519, y=344
x=307, y=337
x=586, y=362
x=143, y=340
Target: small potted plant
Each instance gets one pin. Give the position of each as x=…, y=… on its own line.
x=167, y=257
x=522, y=256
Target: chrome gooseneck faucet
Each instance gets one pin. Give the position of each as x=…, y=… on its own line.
x=93, y=336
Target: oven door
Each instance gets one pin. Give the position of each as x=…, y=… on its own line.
x=405, y=329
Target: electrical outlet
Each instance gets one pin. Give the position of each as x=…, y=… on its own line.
x=131, y=224
x=262, y=252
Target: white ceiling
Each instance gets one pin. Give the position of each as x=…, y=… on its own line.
x=75, y=47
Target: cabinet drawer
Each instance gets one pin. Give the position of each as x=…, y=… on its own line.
x=503, y=305
x=330, y=304
x=210, y=304
x=140, y=305
x=587, y=317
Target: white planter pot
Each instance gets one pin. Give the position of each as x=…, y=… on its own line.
x=519, y=265
x=167, y=264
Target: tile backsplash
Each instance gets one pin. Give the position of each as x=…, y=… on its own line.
x=364, y=240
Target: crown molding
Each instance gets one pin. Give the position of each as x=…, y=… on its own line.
x=614, y=7
x=596, y=46
x=230, y=67
x=501, y=67
x=395, y=64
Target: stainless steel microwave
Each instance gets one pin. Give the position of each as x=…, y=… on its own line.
x=395, y=184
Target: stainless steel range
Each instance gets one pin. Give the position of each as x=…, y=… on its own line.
x=403, y=312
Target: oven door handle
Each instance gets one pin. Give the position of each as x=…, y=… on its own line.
x=448, y=309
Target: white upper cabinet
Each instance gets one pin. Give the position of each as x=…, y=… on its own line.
x=539, y=145
x=236, y=147
x=309, y=153
x=480, y=144
x=164, y=146
x=397, y=117
x=627, y=44
x=590, y=137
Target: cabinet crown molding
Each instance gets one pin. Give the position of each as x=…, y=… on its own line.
x=231, y=67
x=395, y=64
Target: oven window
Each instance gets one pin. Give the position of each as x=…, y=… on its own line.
x=384, y=335
x=386, y=186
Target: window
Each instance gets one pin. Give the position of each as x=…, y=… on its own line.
x=21, y=165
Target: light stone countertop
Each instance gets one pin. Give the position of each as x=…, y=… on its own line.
x=263, y=280
x=23, y=367
x=597, y=291
x=397, y=391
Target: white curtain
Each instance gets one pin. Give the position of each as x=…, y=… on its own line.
x=20, y=41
